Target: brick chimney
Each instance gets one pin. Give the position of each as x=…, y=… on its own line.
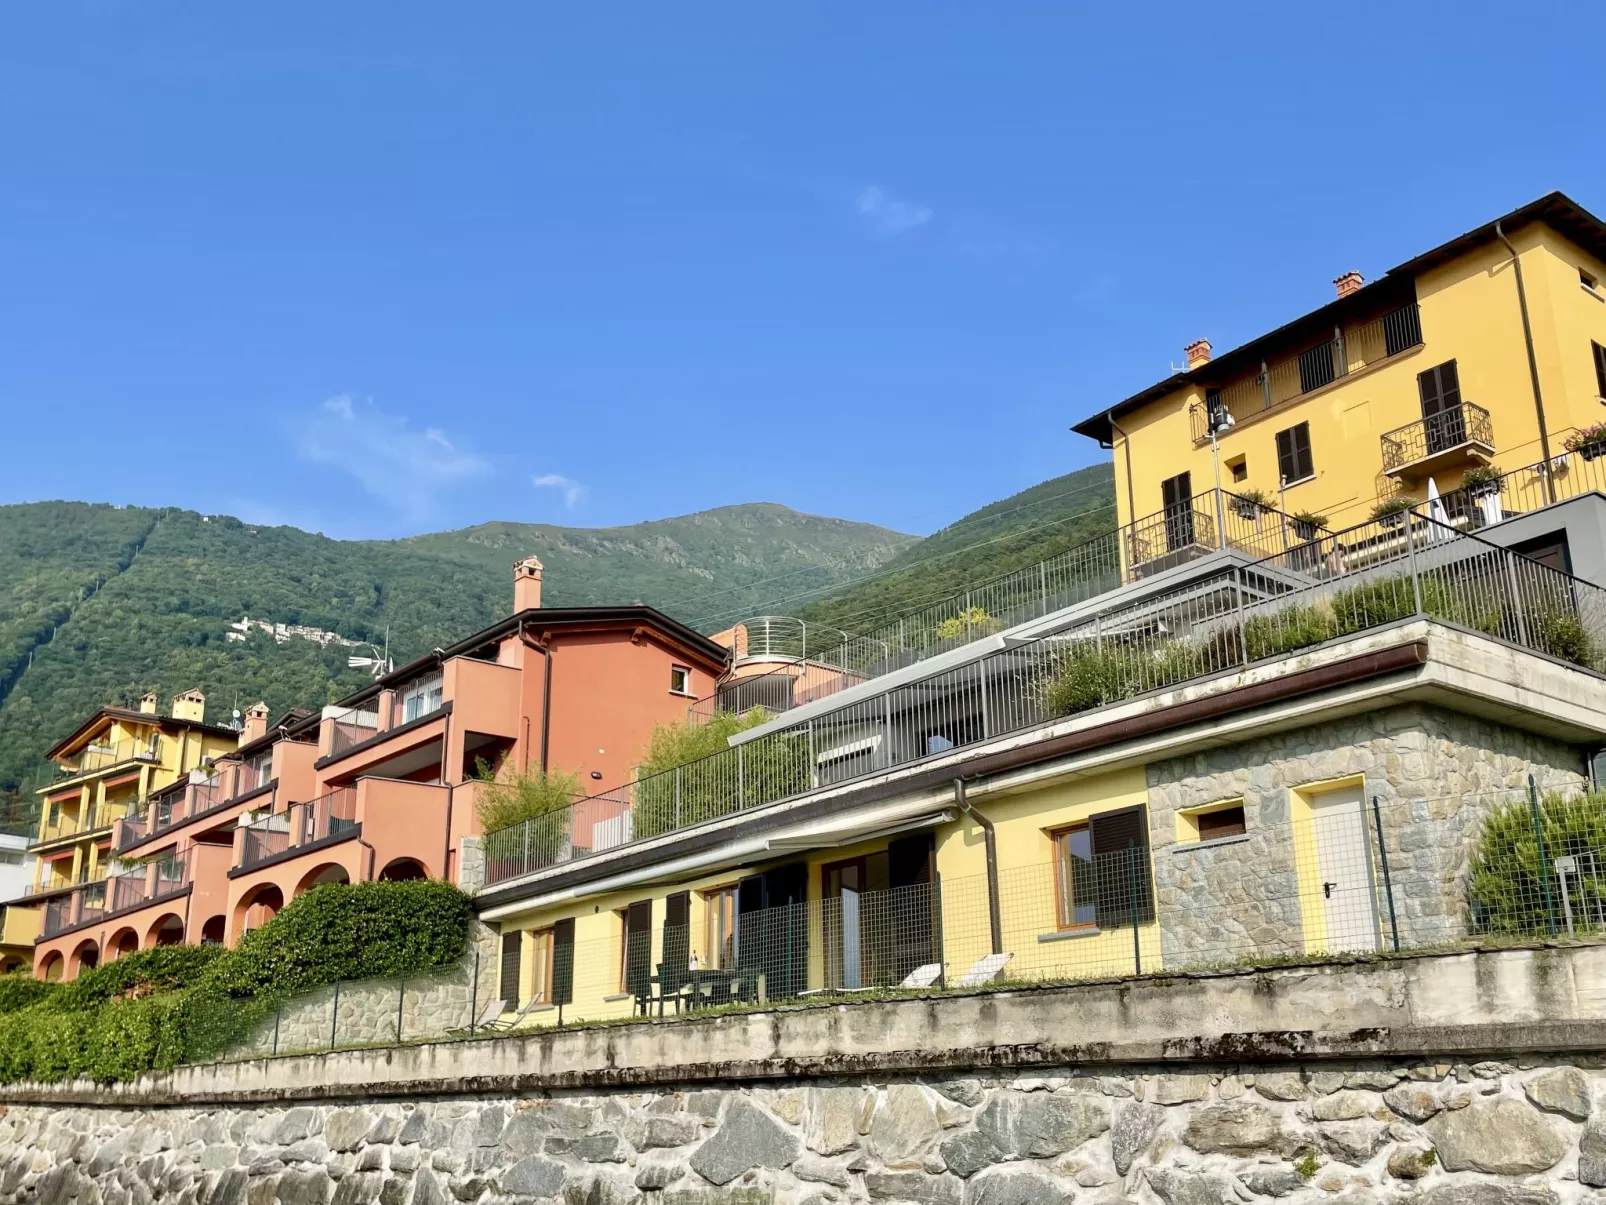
x=147, y=703
x=256, y=723
x=527, y=584
x=191, y=706
x=1198, y=353
x=1348, y=283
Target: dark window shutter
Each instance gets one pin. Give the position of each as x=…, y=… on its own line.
x=1440, y=387
x=1294, y=462
x=1600, y=368
x=512, y=945
x=563, y=962
x=638, y=948
x=1121, y=861
x=676, y=968
x=1302, y=456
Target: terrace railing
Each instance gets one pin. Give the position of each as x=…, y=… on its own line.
x=417, y=698
x=353, y=727
x=1375, y=574
x=299, y=824
x=100, y=757
x=265, y=838
x=1451, y=428
x=1139, y=550
x=1279, y=381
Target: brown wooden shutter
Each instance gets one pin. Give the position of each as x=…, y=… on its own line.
x=638, y=948
x=1121, y=860
x=563, y=962
x=676, y=968
x=1600, y=368
x=512, y=947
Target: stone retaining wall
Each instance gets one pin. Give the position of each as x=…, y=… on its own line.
x=1488, y=1133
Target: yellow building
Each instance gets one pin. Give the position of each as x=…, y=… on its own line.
x=1489, y=350
x=110, y=764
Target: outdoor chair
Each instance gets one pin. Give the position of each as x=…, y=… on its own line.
x=493, y=1010
x=985, y=971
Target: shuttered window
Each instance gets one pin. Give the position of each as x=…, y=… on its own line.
x=563, y=962
x=1120, y=848
x=1600, y=369
x=676, y=967
x=635, y=950
x=512, y=947
x=1293, y=454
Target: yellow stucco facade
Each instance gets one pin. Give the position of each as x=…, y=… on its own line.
x=1469, y=312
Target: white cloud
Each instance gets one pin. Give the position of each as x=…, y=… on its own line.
x=571, y=489
x=888, y=215
x=403, y=467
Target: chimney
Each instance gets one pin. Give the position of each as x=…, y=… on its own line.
x=147, y=703
x=526, y=584
x=256, y=723
x=1348, y=283
x=191, y=705
x=1198, y=353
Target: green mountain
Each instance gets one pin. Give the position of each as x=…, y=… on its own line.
x=1020, y=530
x=100, y=604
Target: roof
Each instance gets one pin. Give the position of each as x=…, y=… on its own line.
x=1555, y=209
x=293, y=722
x=549, y=619
x=166, y=723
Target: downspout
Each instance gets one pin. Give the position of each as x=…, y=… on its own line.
x=1126, y=445
x=990, y=839
x=546, y=707
x=372, y=858
x=1533, y=362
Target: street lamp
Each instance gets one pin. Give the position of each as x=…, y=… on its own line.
x=1220, y=421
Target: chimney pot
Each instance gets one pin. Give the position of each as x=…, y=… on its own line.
x=527, y=584
x=1198, y=353
x=147, y=703
x=191, y=706
x=1348, y=283
x=256, y=723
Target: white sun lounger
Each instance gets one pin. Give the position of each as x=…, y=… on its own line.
x=985, y=971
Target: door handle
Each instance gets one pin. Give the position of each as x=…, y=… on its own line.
x=1327, y=890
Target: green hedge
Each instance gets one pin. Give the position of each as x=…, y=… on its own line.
x=151, y=1010
x=1513, y=890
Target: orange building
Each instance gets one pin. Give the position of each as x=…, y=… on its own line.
x=384, y=784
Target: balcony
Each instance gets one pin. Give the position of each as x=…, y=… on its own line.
x=318, y=820
x=1281, y=381
x=198, y=798
x=115, y=895
x=1457, y=437
x=68, y=825
x=352, y=728
x=96, y=758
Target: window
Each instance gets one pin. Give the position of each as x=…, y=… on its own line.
x=512, y=948
x=10, y=857
x=1600, y=369
x=421, y=698
x=1587, y=280
x=1075, y=880
x=1176, y=498
x=635, y=948
x=1240, y=469
x=541, y=948
x=1221, y=822
x=1293, y=454
x=1443, y=422
x=719, y=946
x=679, y=680
x=562, y=991
x=1317, y=367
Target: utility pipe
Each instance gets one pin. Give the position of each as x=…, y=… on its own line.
x=990, y=840
x=1533, y=362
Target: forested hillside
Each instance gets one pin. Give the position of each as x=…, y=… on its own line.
x=99, y=604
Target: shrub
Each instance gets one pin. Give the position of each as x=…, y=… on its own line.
x=674, y=745
x=1389, y=507
x=767, y=768
x=20, y=989
x=511, y=798
x=1084, y=677
x=1506, y=886
x=1272, y=633
x=347, y=931
x=1562, y=634
x=1481, y=479
x=1591, y=437
x=142, y=973
x=971, y=621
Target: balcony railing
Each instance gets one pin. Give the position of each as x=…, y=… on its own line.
x=116, y=893
x=417, y=698
x=1139, y=550
x=1324, y=589
x=100, y=757
x=1280, y=381
x=1430, y=440
x=300, y=824
x=231, y=781
x=353, y=727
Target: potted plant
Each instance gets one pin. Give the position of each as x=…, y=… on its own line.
x=1481, y=480
x=1391, y=511
x=1307, y=524
x=1589, y=442
x=1250, y=504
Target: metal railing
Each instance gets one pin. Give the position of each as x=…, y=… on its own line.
x=100, y=757
x=1524, y=490
x=1451, y=428
x=1142, y=549
x=299, y=824
x=265, y=838
x=1279, y=381
x=421, y=697
x=1324, y=589
x=351, y=728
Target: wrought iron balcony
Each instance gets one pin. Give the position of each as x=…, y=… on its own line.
x=1455, y=437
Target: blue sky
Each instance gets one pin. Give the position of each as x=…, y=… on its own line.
x=380, y=269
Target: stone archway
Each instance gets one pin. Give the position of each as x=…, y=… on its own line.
x=167, y=931
x=329, y=872
x=124, y=941
x=401, y=870
x=86, y=957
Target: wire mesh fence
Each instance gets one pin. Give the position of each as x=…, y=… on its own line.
x=1333, y=586
x=1226, y=884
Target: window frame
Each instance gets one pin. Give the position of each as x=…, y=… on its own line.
x=1588, y=281
x=1065, y=893
x=719, y=904
x=1599, y=353
x=543, y=954
x=1284, y=478
x=683, y=673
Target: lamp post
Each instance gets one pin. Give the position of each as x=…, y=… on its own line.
x=1220, y=421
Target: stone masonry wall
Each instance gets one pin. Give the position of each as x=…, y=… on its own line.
x=1489, y=1133
x=1435, y=773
